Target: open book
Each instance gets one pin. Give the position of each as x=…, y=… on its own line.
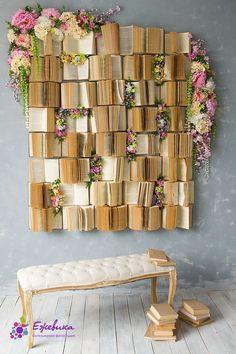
x=144, y=218
x=177, y=118
x=186, y=193
x=169, y=146
x=169, y=168
x=154, y=40
x=185, y=169
x=44, y=145
x=104, y=92
x=132, y=40
x=78, y=218
x=132, y=67
x=43, y=170
x=177, y=42
x=49, y=69
x=44, y=94
x=184, y=216
x=74, y=94
x=111, y=218
x=75, y=194
x=85, y=45
x=41, y=120
x=115, y=169
x=102, y=193
x=76, y=72
x=105, y=67
x=171, y=192
x=169, y=217
x=110, y=33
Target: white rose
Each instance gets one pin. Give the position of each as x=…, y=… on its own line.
x=44, y=21
x=41, y=31
x=11, y=36
x=202, y=125
x=210, y=84
x=198, y=117
x=57, y=35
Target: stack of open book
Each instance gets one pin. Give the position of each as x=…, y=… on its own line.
x=194, y=313
x=163, y=322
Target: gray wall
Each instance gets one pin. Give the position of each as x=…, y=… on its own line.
x=206, y=254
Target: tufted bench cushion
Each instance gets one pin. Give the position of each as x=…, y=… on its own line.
x=88, y=273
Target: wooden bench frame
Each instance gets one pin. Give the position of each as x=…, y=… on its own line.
x=27, y=296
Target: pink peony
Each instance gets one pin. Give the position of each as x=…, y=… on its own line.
x=24, y=20
x=51, y=13
x=199, y=79
x=23, y=40
x=198, y=96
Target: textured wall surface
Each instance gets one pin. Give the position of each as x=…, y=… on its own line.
x=205, y=255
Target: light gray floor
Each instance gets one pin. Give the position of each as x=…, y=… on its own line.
x=115, y=324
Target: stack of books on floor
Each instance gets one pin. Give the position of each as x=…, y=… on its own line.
x=194, y=313
x=163, y=323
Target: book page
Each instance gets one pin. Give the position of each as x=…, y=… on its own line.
x=108, y=168
x=81, y=194
x=142, y=141
x=37, y=119
x=81, y=124
x=83, y=71
x=70, y=72
x=68, y=191
x=86, y=44
x=36, y=170
x=126, y=40
x=51, y=169
x=131, y=190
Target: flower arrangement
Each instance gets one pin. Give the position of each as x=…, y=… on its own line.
x=159, y=195
x=201, y=105
x=129, y=94
x=158, y=68
x=56, y=196
x=61, y=119
x=131, y=145
x=163, y=120
x=73, y=58
x=29, y=25
x=95, y=172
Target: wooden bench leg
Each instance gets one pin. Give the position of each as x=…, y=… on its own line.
x=154, y=290
x=29, y=313
x=22, y=299
x=172, y=286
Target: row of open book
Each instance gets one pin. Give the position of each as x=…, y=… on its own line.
x=113, y=193
x=108, y=118
x=105, y=92
x=124, y=40
x=106, y=218
x=109, y=67
x=117, y=169
x=108, y=144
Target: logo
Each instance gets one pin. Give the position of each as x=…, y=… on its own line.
x=41, y=329
x=19, y=329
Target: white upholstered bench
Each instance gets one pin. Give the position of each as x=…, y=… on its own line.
x=89, y=274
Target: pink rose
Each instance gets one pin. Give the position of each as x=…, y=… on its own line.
x=24, y=20
x=51, y=13
x=23, y=40
x=198, y=96
x=199, y=79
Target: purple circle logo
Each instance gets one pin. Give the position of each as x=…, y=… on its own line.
x=18, y=330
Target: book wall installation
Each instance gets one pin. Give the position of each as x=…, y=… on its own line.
x=108, y=144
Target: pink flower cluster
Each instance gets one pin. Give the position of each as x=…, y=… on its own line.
x=24, y=20
x=202, y=104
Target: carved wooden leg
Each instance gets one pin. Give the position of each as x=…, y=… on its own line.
x=29, y=312
x=154, y=290
x=22, y=299
x=172, y=286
